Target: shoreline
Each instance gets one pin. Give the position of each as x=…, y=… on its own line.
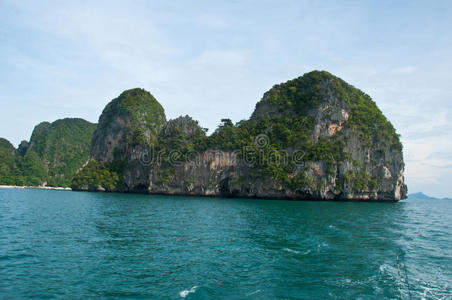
x=273, y=197
x=35, y=187
x=195, y=195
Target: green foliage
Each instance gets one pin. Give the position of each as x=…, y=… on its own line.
x=137, y=137
x=109, y=175
x=99, y=174
x=63, y=146
x=166, y=176
x=226, y=122
x=32, y=170
x=18, y=170
x=184, y=135
x=299, y=96
x=361, y=180
x=39, y=138
x=230, y=138
x=141, y=109
x=190, y=180
x=301, y=180
x=280, y=130
x=8, y=169
x=56, y=150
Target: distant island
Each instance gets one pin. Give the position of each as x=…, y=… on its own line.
x=313, y=138
x=423, y=196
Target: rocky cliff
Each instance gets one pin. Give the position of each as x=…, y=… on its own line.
x=314, y=137
x=127, y=127
x=51, y=157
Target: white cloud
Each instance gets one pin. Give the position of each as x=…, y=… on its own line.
x=220, y=59
x=404, y=70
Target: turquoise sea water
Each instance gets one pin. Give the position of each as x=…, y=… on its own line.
x=59, y=244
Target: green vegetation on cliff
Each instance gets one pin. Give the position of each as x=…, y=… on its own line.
x=53, y=155
x=298, y=97
x=136, y=114
x=63, y=146
x=99, y=174
x=32, y=170
x=8, y=168
x=182, y=134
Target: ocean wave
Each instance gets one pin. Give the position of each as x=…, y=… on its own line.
x=185, y=293
x=296, y=251
x=322, y=245
x=252, y=293
x=291, y=250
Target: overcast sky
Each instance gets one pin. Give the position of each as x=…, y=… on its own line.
x=215, y=59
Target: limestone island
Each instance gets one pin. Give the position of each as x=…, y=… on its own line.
x=311, y=138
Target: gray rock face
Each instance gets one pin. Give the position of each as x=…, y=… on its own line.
x=223, y=173
x=207, y=174
x=127, y=127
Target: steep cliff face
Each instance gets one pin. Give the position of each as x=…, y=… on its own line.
x=207, y=173
x=127, y=127
x=314, y=137
x=180, y=164
x=134, y=118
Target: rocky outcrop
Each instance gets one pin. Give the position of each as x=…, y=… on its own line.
x=314, y=137
x=134, y=118
x=127, y=127
x=52, y=156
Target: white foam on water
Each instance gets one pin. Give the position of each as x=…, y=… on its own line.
x=389, y=270
x=431, y=293
x=185, y=293
x=291, y=250
x=322, y=245
x=384, y=268
x=255, y=292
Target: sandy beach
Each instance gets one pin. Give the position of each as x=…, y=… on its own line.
x=35, y=187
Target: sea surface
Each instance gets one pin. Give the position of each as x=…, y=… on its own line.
x=75, y=245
